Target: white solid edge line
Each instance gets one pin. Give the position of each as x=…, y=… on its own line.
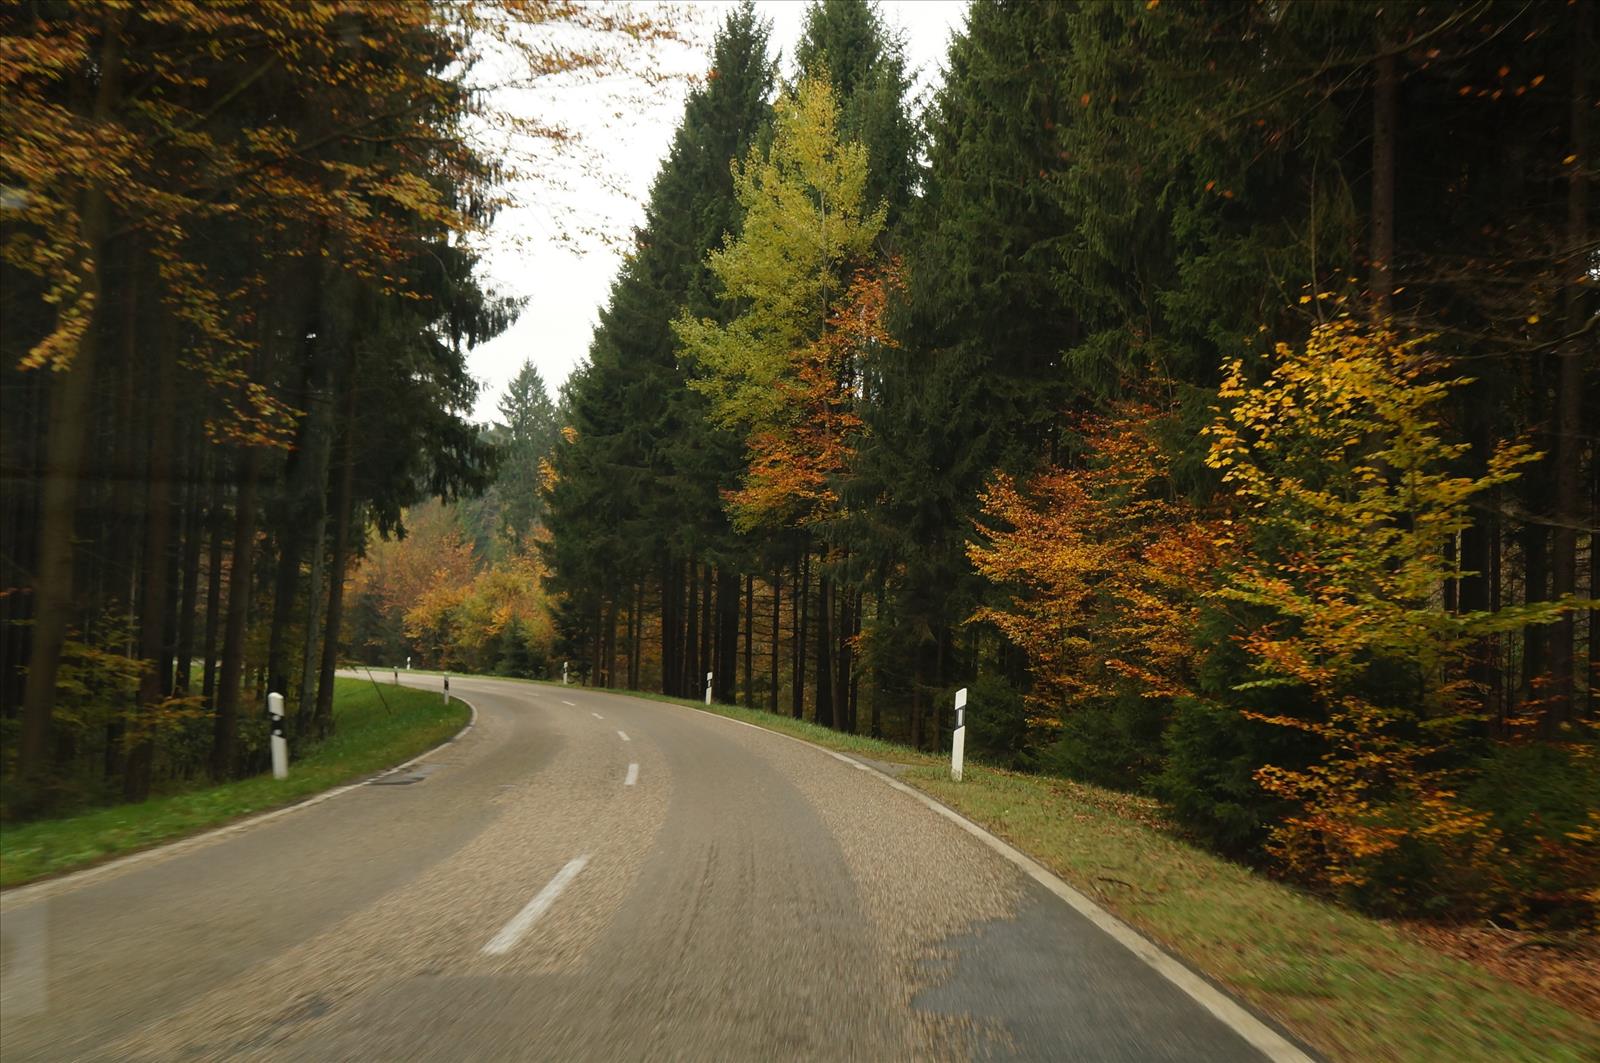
x=520, y=923
x=633, y=775
x=1260, y=1036
x=21, y=895
x=623, y=735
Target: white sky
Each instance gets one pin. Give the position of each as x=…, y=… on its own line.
x=566, y=281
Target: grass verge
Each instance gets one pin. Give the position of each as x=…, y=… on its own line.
x=1352, y=987
x=367, y=738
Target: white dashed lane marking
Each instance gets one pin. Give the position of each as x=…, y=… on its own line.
x=520, y=923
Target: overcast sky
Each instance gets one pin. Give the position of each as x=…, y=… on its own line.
x=566, y=280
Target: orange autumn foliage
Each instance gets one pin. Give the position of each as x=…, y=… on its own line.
x=1349, y=487
x=1104, y=567
x=793, y=465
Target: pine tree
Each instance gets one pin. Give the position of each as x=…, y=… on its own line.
x=848, y=42
x=636, y=491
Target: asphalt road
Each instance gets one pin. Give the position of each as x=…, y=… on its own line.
x=586, y=876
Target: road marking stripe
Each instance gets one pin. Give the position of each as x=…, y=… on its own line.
x=564, y=701
x=633, y=775
x=623, y=735
x=597, y=716
x=520, y=923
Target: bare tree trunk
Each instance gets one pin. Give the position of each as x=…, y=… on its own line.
x=635, y=631
x=825, y=714
x=726, y=656
x=1560, y=704
x=841, y=690
x=777, y=606
x=1594, y=590
x=670, y=593
x=855, y=673
x=749, y=640
x=344, y=520
x=225, y=733
x=692, y=633
x=611, y=643
x=877, y=689
x=218, y=520
x=286, y=581
x=918, y=721
x=310, y=643
x=802, y=620
x=66, y=439
x=158, y=529
x=1385, y=106
x=704, y=664
x=194, y=525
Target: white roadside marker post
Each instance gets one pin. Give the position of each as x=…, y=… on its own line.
x=958, y=740
x=279, y=744
x=564, y=672
x=408, y=664
x=708, y=688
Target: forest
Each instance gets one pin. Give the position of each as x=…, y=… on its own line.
x=241, y=265
x=1207, y=387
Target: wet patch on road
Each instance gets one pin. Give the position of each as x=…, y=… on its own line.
x=1047, y=984
x=414, y=774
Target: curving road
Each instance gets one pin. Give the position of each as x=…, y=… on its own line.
x=585, y=875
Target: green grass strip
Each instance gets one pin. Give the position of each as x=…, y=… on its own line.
x=367, y=738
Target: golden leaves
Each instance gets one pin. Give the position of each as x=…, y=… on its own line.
x=1102, y=567
x=1338, y=458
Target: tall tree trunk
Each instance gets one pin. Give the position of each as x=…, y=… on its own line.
x=225, y=733
x=305, y=697
x=1536, y=588
x=670, y=592
x=217, y=536
x=635, y=630
x=286, y=581
x=344, y=520
x=157, y=532
x=855, y=672
x=841, y=689
x=691, y=636
x=66, y=439
x=802, y=622
x=877, y=672
x=1560, y=703
x=777, y=606
x=194, y=525
x=705, y=661
x=1385, y=107
x=714, y=611
x=825, y=714
x=1594, y=590
x=749, y=640
x=727, y=655
x=918, y=715
x=611, y=643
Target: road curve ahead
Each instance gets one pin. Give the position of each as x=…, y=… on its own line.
x=586, y=876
